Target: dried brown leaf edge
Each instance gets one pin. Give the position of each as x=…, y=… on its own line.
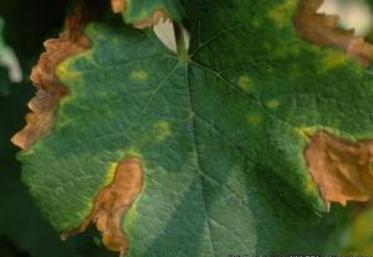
x=111, y=203
x=322, y=30
x=113, y=200
x=49, y=89
x=120, y=6
x=341, y=169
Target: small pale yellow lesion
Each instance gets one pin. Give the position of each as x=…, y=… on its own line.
x=255, y=23
x=304, y=133
x=286, y=48
x=308, y=132
x=162, y=130
x=273, y=103
x=89, y=57
x=267, y=45
x=115, y=41
x=245, y=83
x=295, y=72
x=110, y=173
x=282, y=14
x=254, y=119
x=334, y=59
x=309, y=187
x=139, y=75
x=131, y=216
x=64, y=72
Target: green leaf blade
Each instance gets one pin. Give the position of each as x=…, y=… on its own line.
x=221, y=136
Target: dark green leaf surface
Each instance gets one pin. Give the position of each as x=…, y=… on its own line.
x=221, y=132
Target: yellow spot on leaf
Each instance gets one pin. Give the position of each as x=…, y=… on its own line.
x=309, y=187
x=64, y=72
x=273, y=103
x=162, y=130
x=110, y=173
x=360, y=234
x=304, y=132
x=245, y=83
x=255, y=23
x=138, y=75
x=333, y=59
x=281, y=15
x=254, y=119
x=131, y=216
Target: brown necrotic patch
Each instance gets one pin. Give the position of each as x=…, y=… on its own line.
x=322, y=30
x=112, y=202
x=341, y=169
x=49, y=89
x=118, y=6
x=157, y=16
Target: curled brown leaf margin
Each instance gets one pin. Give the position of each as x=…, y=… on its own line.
x=341, y=169
x=112, y=202
x=118, y=6
x=50, y=90
x=322, y=30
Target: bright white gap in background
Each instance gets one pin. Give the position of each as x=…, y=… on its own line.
x=353, y=14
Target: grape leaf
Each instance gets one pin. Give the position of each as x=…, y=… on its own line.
x=220, y=131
